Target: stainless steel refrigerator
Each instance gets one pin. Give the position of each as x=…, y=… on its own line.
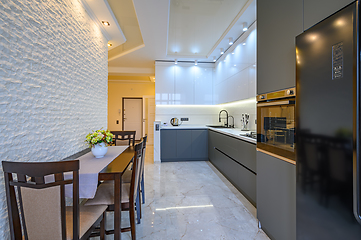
x=328, y=128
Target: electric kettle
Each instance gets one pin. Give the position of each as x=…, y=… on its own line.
x=174, y=122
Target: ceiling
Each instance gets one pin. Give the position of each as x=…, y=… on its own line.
x=185, y=30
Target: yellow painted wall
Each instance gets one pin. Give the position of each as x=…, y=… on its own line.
x=116, y=91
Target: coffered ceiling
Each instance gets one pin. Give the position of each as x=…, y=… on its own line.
x=196, y=25
x=186, y=30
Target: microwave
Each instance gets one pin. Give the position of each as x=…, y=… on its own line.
x=276, y=124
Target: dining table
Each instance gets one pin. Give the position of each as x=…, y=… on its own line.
x=114, y=171
x=109, y=168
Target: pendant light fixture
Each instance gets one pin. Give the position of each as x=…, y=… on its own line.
x=230, y=41
x=222, y=51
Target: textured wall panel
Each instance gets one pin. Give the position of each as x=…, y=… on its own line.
x=53, y=82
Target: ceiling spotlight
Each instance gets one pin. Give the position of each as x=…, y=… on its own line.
x=175, y=61
x=196, y=62
x=214, y=58
x=109, y=44
x=243, y=43
x=105, y=23
x=232, y=53
x=245, y=26
x=230, y=41
x=222, y=50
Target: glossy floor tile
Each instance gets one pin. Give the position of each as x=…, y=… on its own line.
x=191, y=200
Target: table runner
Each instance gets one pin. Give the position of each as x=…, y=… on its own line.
x=89, y=171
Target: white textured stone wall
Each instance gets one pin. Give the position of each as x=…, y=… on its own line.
x=53, y=82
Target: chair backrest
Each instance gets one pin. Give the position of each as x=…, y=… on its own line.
x=143, y=154
x=40, y=191
x=124, y=135
x=134, y=184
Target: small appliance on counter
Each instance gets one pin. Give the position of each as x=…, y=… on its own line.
x=174, y=122
x=245, y=121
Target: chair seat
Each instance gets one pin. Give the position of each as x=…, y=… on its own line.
x=105, y=194
x=88, y=216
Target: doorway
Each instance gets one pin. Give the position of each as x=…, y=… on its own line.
x=133, y=116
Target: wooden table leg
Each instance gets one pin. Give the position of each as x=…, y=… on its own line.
x=117, y=206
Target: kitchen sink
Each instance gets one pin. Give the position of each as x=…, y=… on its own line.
x=216, y=126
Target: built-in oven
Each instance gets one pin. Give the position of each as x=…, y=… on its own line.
x=276, y=124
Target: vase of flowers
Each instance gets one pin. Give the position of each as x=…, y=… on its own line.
x=99, y=141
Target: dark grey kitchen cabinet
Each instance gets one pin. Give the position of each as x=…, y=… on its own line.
x=276, y=197
x=199, y=144
x=168, y=144
x=317, y=10
x=236, y=160
x=278, y=23
x=183, y=145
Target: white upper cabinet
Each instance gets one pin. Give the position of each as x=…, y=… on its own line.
x=235, y=77
x=164, y=87
x=183, y=84
x=203, y=86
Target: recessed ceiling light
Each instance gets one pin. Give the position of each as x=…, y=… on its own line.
x=243, y=43
x=105, y=23
x=196, y=62
x=175, y=61
x=232, y=53
x=244, y=26
x=222, y=50
x=109, y=44
x=214, y=58
x=235, y=65
x=230, y=41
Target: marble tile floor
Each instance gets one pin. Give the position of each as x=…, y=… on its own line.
x=191, y=200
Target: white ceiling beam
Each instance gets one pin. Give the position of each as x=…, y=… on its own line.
x=127, y=70
x=100, y=11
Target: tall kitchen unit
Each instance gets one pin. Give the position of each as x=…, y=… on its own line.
x=328, y=128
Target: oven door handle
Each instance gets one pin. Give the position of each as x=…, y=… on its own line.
x=286, y=102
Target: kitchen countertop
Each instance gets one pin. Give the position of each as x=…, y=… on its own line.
x=233, y=132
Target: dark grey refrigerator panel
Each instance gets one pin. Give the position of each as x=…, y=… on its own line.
x=327, y=190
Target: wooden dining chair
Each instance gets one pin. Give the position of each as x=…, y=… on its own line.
x=123, y=136
x=35, y=194
x=127, y=177
x=105, y=193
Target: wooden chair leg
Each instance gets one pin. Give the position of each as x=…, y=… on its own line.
x=102, y=227
x=132, y=220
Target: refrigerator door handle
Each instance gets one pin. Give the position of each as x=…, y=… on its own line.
x=357, y=163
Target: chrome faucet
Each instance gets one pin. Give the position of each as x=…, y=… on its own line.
x=223, y=118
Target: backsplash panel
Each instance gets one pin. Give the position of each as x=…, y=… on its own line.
x=209, y=114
